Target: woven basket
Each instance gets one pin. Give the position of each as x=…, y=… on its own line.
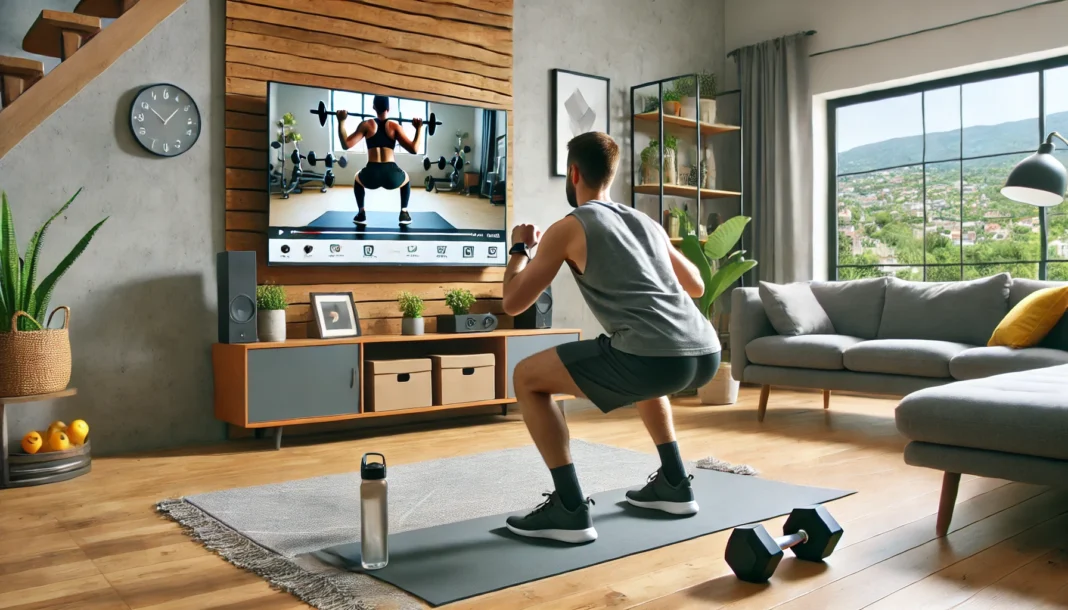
x=36, y=361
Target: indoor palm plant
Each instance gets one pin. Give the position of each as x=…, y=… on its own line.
x=720, y=269
x=411, y=307
x=271, y=312
x=33, y=358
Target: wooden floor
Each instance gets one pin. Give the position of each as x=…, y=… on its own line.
x=96, y=542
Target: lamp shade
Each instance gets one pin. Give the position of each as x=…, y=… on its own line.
x=1039, y=180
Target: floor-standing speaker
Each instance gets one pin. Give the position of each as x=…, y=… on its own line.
x=236, y=276
x=540, y=314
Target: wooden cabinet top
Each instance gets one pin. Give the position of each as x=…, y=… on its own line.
x=398, y=338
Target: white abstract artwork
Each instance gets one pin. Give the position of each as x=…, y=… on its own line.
x=580, y=105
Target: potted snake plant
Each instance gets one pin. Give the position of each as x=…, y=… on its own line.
x=720, y=269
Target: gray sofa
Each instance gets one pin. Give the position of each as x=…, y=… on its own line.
x=892, y=337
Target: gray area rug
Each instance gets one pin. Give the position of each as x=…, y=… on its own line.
x=269, y=529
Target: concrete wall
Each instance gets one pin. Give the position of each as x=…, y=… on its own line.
x=1018, y=37
x=629, y=41
x=143, y=294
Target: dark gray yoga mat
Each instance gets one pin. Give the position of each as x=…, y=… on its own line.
x=421, y=221
x=455, y=561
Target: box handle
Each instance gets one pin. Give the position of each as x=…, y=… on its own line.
x=469, y=370
x=403, y=377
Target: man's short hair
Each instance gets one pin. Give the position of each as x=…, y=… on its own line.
x=380, y=103
x=596, y=155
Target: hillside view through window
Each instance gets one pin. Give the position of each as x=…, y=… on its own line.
x=918, y=177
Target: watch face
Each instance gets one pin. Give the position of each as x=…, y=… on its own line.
x=165, y=120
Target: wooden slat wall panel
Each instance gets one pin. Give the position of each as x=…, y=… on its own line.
x=382, y=326
x=451, y=51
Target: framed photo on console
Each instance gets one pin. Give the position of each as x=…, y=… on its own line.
x=580, y=104
x=335, y=315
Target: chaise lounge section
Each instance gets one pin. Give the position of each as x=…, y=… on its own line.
x=892, y=337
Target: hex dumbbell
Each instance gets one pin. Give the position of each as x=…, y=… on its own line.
x=811, y=533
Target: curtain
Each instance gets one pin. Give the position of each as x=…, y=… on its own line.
x=776, y=110
x=489, y=146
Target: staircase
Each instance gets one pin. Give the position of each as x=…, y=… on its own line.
x=85, y=48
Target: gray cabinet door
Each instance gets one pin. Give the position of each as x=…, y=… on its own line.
x=297, y=382
x=521, y=347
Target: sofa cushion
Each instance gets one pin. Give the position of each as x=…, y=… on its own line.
x=794, y=310
x=986, y=361
x=854, y=307
x=1030, y=320
x=1025, y=413
x=803, y=351
x=917, y=357
x=1056, y=338
x=960, y=312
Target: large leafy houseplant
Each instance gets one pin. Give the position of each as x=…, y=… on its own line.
x=19, y=290
x=729, y=266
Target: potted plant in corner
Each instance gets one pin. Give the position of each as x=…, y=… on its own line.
x=411, y=307
x=271, y=312
x=719, y=268
x=34, y=359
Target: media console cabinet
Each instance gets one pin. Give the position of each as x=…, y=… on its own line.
x=306, y=381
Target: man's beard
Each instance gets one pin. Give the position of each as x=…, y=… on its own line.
x=571, y=198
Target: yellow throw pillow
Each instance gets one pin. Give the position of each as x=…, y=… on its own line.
x=1032, y=318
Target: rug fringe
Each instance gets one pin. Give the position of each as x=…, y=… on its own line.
x=712, y=463
x=314, y=589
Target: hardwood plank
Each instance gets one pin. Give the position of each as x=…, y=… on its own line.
x=246, y=221
x=371, y=64
x=244, y=120
x=88, y=593
x=1044, y=578
x=373, y=33
x=248, y=201
x=68, y=78
x=247, y=104
x=488, y=44
x=389, y=309
x=487, y=287
x=448, y=11
x=244, y=158
x=240, y=138
x=147, y=586
x=448, y=64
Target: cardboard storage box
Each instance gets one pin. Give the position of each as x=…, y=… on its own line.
x=399, y=384
x=464, y=378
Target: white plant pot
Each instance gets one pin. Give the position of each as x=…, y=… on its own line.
x=271, y=325
x=670, y=175
x=722, y=390
x=710, y=173
x=708, y=111
x=411, y=326
x=689, y=107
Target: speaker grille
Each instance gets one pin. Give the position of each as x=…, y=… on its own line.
x=242, y=308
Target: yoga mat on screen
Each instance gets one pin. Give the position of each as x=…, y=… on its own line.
x=451, y=562
x=376, y=221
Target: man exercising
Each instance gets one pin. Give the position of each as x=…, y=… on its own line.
x=641, y=290
x=381, y=170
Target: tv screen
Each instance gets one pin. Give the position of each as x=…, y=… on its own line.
x=428, y=199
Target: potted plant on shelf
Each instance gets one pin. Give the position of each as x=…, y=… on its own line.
x=459, y=300
x=34, y=359
x=678, y=222
x=719, y=268
x=651, y=166
x=708, y=97
x=271, y=312
x=411, y=307
x=671, y=102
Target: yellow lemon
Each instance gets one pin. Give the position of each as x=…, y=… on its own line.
x=31, y=443
x=58, y=441
x=56, y=425
x=78, y=431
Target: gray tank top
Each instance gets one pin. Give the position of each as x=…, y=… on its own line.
x=631, y=288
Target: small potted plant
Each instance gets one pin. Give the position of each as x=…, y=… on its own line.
x=708, y=97
x=411, y=307
x=459, y=300
x=650, y=165
x=719, y=268
x=271, y=312
x=679, y=222
x=671, y=102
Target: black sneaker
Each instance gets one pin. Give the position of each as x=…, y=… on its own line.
x=361, y=218
x=551, y=520
x=658, y=494
x=405, y=218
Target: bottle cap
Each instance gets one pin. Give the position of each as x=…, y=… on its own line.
x=373, y=471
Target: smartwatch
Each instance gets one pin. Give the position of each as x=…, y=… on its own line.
x=519, y=248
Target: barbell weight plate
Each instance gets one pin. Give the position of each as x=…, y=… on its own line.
x=328, y=180
x=342, y=161
x=467, y=148
x=329, y=160
x=429, y=183
x=426, y=163
x=311, y=158
x=442, y=162
x=320, y=111
x=295, y=157
x=432, y=124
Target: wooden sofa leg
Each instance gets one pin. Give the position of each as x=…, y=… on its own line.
x=950, y=483
x=826, y=399
x=763, y=406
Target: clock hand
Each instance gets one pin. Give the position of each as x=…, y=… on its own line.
x=169, y=117
x=157, y=114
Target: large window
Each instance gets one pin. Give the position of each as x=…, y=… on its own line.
x=399, y=108
x=916, y=175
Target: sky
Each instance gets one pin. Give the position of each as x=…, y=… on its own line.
x=986, y=103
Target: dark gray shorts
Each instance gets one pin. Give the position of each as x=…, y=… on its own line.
x=612, y=379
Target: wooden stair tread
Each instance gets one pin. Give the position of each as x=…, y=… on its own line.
x=21, y=66
x=107, y=9
x=45, y=35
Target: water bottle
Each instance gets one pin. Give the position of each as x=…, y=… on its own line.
x=374, y=514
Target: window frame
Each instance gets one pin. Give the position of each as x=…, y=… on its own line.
x=365, y=109
x=833, y=105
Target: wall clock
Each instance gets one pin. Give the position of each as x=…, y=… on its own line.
x=165, y=120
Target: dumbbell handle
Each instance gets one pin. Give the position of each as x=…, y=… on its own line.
x=792, y=540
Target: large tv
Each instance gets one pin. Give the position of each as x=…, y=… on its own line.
x=457, y=178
